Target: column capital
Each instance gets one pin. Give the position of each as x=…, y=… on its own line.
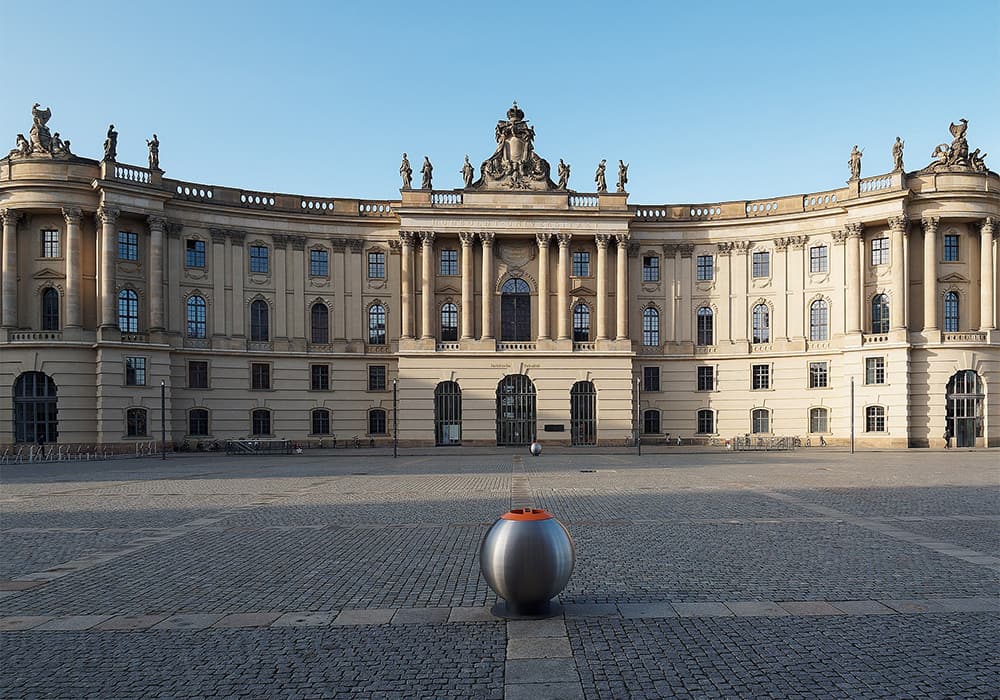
x=543, y=238
x=237, y=237
x=854, y=229
x=602, y=240
x=742, y=247
x=338, y=244
x=799, y=242
x=898, y=223
x=622, y=238
x=355, y=244
x=280, y=241
x=466, y=238
x=298, y=242
x=564, y=239
x=685, y=249
x=782, y=243
x=108, y=215
x=487, y=238
x=156, y=223
x=930, y=224
x=406, y=238
x=428, y=238
x=218, y=235
x=72, y=215
x=10, y=216
x=989, y=226
x=725, y=248
x=839, y=237
x=633, y=249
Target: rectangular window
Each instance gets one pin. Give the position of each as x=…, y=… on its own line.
x=950, y=248
x=706, y=378
x=581, y=263
x=875, y=419
x=319, y=263
x=260, y=375
x=706, y=421
x=194, y=253
x=818, y=261
x=650, y=378
x=874, y=370
x=880, y=251
x=376, y=378
x=135, y=371
x=760, y=376
x=128, y=245
x=706, y=268
x=818, y=375
x=449, y=262
x=376, y=422
x=197, y=374
x=762, y=264
x=319, y=377
x=259, y=258
x=650, y=268
x=376, y=265
x=50, y=244
x=198, y=421
x=321, y=422
x=651, y=422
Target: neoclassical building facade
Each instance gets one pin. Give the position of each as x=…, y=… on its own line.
x=514, y=308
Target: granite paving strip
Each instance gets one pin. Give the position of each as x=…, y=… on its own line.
x=640, y=610
x=538, y=648
x=130, y=622
x=702, y=610
x=915, y=606
x=421, y=616
x=539, y=661
x=368, y=616
x=862, y=607
x=247, y=620
x=74, y=623
x=809, y=607
x=472, y=615
x=305, y=619
x=550, y=627
x=536, y=671
x=187, y=621
x=18, y=623
x=890, y=530
x=756, y=608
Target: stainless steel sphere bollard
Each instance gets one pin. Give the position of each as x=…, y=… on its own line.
x=535, y=449
x=527, y=557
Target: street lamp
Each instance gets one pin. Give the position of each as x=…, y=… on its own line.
x=395, y=420
x=163, y=419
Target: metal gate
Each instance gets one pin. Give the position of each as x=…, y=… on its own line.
x=35, y=409
x=447, y=414
x=515, y=410
x=964, y=416
x=583, y=414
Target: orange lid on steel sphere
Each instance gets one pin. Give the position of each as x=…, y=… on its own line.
x=526, y=514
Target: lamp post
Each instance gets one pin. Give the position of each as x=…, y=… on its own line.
x=163, y=419
x=395, y=419
x=852, y=415
x=638, y=411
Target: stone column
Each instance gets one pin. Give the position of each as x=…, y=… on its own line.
x=354, y=276
x=9, y=294
x=796, y=308
x=741, y=281
x=406, y=283
x=238, y=311
x=228, y=313
x=854, y=282
x=487, y=239
x=621, y=288
x=297, y=272
x=74, y=268
x=838, y=273
x=930, y=272
x=543, y=240
x=987, y=231
x=897, y=306
x=108, y=216
x=602, y=240
x=468, y=314
x=562, y=286
x=724, y=319
x=686, y=297
x=279, y=319
x=217, y=267
x=156, y=262
x=427, y=285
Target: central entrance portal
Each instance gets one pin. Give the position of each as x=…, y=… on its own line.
x=515, y=310
x=515, y=411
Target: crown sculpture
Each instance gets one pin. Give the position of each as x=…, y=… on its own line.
x=514, y=164
x=43, y=143
x=956, y=158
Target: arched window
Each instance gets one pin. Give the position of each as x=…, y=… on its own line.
x=581, y=323
x=650, y=326
x=35, y=409
x=880, y=313
x=260, y=422
x=198, y=422
x=515, y=310
x=196, y=317
x=965, y=396
x=761, y=324
x=135, y=423
x=706, y=421
x=320, y=421
x=951, y=312
x=449, y=322
x=819, y=420
x=706, y=326
x=760, y=420
x=259, y=327
x=875, y=419
x=447, y=414
x=319, y=323
x=50, y=309
x=650, y=421
x=128, y=311
x=583, y=414
x=819, y=320
x=376, y=324
x=376, y=421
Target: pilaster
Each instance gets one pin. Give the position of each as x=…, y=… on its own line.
x=74, y=269
x=562, y=303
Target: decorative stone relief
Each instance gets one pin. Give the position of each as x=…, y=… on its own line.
x=517, y=253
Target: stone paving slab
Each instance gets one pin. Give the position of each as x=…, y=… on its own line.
x=373, y=616
x=551, y=627
x=632, y=610
x=544, y=691
x=472, y=615
x=538, y=648
x=702, y=609
x=247, y=620
x=72, y=623
x=809, y=607
x=535, y=671
x=22, y=622
x=185, y=621
x=130, y=622
x=305, y=619
x=756, y=608
x=862, y=607
x=421, y=616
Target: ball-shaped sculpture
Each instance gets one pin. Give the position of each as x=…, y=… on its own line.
x=535, y=449
x=526, y=557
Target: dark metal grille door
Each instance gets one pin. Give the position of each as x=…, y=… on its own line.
x=35, y=409
x=515, y=410
x=583, y=414
x=964, y=417
x=515, y=310
x=447, y=414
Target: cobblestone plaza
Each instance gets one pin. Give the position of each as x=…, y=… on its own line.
x=348, y=573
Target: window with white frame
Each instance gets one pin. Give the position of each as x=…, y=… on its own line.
x=706, y=421
x=760, y=376
x=760, y=421
x=880, y=251
x=818, y=260
x=762, y=264
x=650, y=268
x=819, y=320
x=819, y=420
x=819, y=373
x=50, y=244
x=874, y=370
x=874, y=419
x=705, y=268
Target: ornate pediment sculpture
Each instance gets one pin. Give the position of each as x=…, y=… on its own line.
x=514, y=164
x=955, y=157
x=43, y=143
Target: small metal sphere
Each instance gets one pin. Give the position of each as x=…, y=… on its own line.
x=527, y=557
x=536, y=449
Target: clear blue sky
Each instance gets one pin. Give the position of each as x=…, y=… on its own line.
x=707, y=101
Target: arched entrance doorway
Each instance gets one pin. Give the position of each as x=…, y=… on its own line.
x=515, y=310
x=515, y=410
x=447, y=414
x=964, y=413
x=583, y=414
x=35, y=410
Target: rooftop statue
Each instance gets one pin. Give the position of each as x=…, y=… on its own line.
x=897, y=155
x=154, y=152
x=111, y=144
x=514, y=164
x=599, y=177
x=622, y=175
x=955, y=157
x=427, y=170
x=41, y=144
x=406, y=172
x=855, y=162
x=467, y=172
x=563, y=170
